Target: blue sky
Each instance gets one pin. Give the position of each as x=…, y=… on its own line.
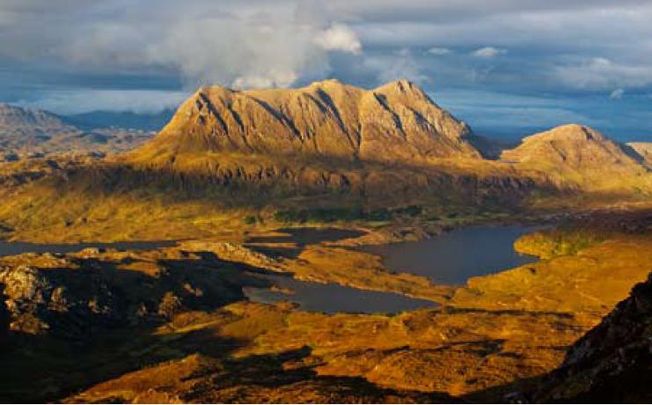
x=507, y=67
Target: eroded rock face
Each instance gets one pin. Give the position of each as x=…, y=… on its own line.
x=613, y=361
x=395, y=123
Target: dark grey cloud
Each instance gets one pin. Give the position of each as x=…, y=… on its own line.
x=101, y=53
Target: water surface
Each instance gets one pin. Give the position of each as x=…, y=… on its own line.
x=450, y=258
x=15, y=248
x=455, y=256
x=331, y=298
x=294, y=240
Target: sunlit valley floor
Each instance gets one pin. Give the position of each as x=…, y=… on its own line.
x=240, y=267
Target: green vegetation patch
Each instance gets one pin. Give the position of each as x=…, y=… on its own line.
x=558, y=242
x=345, y=214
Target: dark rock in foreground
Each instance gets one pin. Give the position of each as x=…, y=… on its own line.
x=613, y=361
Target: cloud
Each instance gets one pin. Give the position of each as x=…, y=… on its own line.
x=617, y=94
x=339, y=38
x=599, y=73
x=231, y=43
x=400, y=64
x=488, y=52
x=241, y=53
x=438, y=51
x=573, y=48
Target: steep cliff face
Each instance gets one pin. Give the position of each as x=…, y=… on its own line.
x=613, y=361
x=394, y=123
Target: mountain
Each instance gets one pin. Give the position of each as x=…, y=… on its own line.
x=20, y=127
x=120, y=119
x=36, y=132
x=394, y=123
x=577, y=154
x=272, y=132
x=323, y=153
x=612, y=362
x=643, y=149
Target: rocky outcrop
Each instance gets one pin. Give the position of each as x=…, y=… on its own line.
x=613, y=361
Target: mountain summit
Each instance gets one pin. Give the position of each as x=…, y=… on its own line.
x=394, y=123
x=577, y=153
x=20, y=126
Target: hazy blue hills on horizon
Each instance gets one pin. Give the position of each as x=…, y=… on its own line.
x=120, y=119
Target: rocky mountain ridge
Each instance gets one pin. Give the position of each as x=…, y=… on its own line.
x=395, y=123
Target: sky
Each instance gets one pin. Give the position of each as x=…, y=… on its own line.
x=506, y=67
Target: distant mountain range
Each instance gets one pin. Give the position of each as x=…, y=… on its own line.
x=327, y=150
x=37, y=132
x=120, y=119
x=396, y=124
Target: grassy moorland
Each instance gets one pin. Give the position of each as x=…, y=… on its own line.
x=192, y=337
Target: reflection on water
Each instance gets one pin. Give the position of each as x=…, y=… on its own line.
x=15, y=248
x=454, y=257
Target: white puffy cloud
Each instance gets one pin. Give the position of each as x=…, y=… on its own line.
x=339, y=37
x=400, y=64
x=600, y=73
x=438, y=51
x=617, y=94
x=275, y=43
x=240, y=53
x=488, y=52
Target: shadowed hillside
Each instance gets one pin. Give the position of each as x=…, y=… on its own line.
x=611, y=363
